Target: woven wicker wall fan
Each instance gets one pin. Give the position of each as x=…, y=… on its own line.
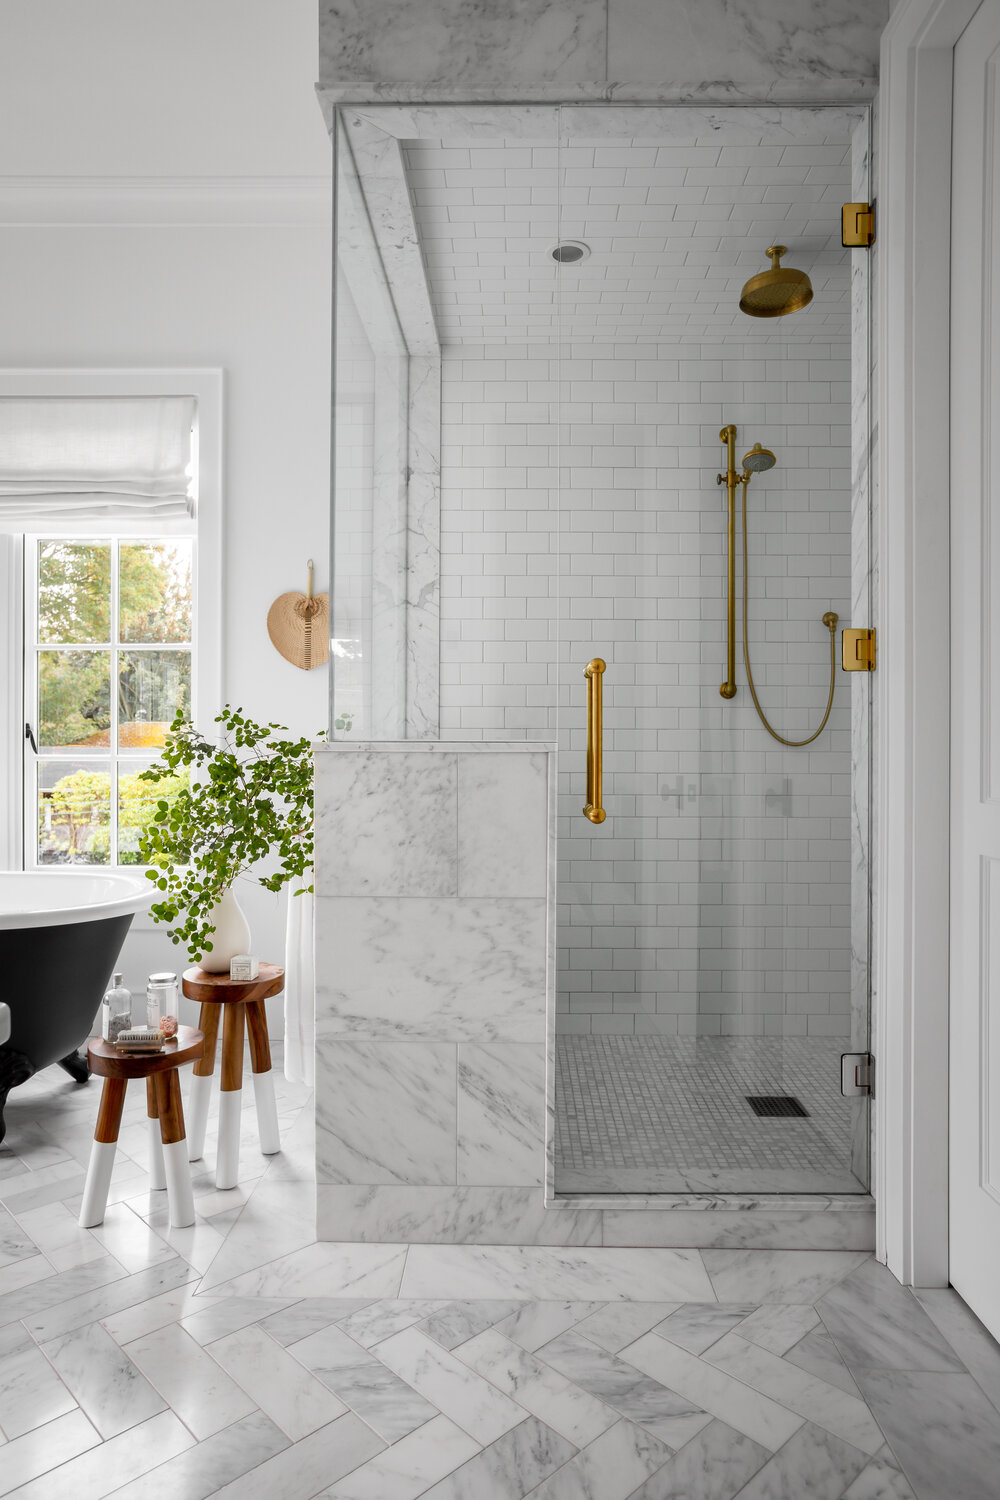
x=299, y=626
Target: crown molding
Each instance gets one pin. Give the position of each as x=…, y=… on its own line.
x=31, y=202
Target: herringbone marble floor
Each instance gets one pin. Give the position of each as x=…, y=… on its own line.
x=239, y=1358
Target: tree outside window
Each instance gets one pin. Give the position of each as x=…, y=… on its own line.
x=113, y=665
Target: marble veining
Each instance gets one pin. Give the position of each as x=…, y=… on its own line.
x=608, y=1468
x=717, y=1461
x=778, y=1275
x=713, y=1390
x=577, y=1273
x=512, y=1465
x=697, y=1326
x=533, y=1383
x=670, y=1416
x=476, y=1405
x=385, y=1112
x=410, y=1466
x=749, y=43
x=396, y=816
x=878, y=1324
x=813, y=1463
x=463, y=1215
x=430, y=969
x=463, y=39
x=389, y=1406
x=501, y=1113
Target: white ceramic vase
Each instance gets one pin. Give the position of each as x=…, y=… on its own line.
x=231, y=935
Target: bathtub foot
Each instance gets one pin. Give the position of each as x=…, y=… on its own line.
x=15, y=1068
x=76, y=1067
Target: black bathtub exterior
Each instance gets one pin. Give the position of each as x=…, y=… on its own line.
x=53, y=978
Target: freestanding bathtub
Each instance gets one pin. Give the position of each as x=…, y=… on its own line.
x=61, y=932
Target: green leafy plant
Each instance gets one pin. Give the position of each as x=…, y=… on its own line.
x=250, y=800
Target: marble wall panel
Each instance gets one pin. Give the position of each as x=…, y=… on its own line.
x=451, y=1216
x=386, y=823
x=734, y=50
x=462, y=39
x=501, y=1113
x=385, y=1112
x=501, y=853
x=804, y=1230
x=456, y=970
x=745, y=44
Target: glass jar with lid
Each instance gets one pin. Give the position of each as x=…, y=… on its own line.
x=161, y=998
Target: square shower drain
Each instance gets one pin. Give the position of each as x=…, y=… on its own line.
x=776, y=1106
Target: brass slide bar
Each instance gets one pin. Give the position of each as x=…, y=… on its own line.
x=730, y=479
x=594, y=672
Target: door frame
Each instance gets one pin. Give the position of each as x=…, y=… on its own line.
x=910, y=1154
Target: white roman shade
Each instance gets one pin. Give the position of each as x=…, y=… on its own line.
x=96, y=457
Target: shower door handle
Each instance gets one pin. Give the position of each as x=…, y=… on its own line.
x=594, y=673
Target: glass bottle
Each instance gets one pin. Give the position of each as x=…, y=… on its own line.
x=116, y=1009
x=161, y=998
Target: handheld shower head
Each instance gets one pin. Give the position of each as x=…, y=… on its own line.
x=758, y=460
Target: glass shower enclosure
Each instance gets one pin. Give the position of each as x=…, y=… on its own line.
x=539, y=350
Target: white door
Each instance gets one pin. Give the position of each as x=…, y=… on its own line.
x=975, y=532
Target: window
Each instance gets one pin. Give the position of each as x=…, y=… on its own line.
x=93, y=465
x=108, y=663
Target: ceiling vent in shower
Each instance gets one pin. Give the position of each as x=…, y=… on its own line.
x=570, y=252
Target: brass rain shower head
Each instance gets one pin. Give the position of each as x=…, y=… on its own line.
x=776, y=292
x=758, y=460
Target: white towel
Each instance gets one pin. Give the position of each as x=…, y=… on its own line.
x=300, y=992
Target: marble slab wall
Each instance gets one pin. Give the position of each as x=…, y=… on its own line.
x=721, y=50
x=435, y=1017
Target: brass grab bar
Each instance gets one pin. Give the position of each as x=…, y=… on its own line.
x=593, y=672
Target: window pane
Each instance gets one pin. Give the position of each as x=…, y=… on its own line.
x=152, y=685
x=137, y=801
x=74, y=812
x=74, y=700
x=74, y=591
x=155, y=591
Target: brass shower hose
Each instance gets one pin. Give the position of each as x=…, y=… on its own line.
x=829, y=619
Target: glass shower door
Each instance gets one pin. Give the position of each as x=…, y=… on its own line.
x=712, y=929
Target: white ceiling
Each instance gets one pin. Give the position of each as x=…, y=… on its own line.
x=674, y=231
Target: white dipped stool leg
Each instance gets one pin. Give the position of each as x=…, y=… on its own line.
x=230, y=1096
x=267, y=1113
x=201, y=1091
x=95, y=1192
x=227, y=1164
x=157, y=1180
x=180, y=1198
x=102, y=1153
x=201, y=1080
x=263, y=1078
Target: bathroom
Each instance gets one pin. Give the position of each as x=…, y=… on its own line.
x=537, y=1238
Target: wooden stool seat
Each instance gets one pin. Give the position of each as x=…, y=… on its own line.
x=168, y=1165
x=239, y=1005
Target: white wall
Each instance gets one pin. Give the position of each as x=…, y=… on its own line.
x=101, y=268
x=716, y=899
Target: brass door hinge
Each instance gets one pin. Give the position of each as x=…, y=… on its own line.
x=858, y=650
x=857, y=229
x=857, y=1073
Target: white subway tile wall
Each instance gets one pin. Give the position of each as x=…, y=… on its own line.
x=715, y=900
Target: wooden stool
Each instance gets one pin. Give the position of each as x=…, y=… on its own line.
x=243, y=1003
x=168, y=1156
